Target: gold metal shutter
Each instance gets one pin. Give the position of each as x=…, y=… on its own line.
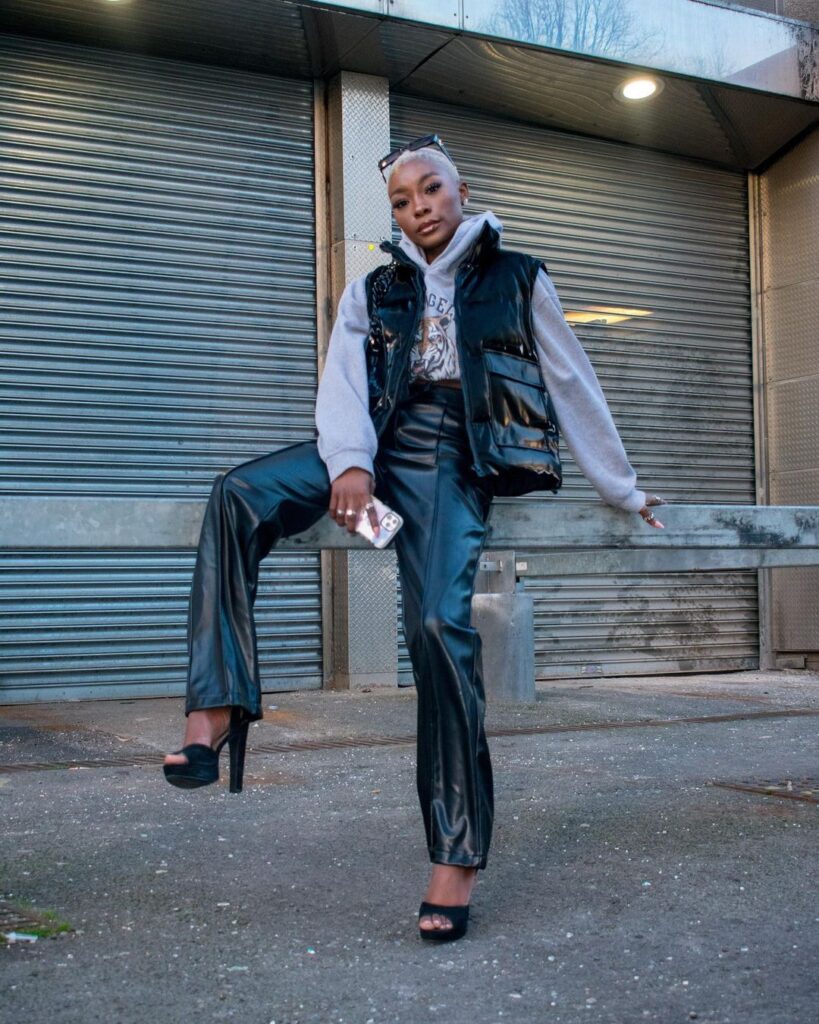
x=628, y=228
x=158, y=326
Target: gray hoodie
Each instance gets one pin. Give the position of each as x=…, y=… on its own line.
x=346, y=436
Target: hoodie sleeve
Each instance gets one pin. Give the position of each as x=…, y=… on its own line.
x=346, y=435
x=582, y=413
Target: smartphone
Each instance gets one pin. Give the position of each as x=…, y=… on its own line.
x=389, y=523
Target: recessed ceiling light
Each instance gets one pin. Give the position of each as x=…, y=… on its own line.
x=641, y=88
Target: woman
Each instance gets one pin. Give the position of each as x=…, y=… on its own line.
x=436, y=422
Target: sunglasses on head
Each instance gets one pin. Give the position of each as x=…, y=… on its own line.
x=411, y=147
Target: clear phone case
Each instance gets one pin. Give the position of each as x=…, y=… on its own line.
x=389, y=523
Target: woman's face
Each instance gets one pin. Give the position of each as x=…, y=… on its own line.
x=427, y=204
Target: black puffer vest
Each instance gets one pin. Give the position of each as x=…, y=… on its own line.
x=510, y=420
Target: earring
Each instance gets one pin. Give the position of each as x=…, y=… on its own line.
x=464, y=202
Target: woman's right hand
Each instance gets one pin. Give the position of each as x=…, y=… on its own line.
x=648, y=516
x=351, y=492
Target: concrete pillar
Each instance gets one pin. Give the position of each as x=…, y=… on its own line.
x=364, y=647
x=788, y=303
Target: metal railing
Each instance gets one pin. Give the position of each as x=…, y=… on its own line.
x=568, y=537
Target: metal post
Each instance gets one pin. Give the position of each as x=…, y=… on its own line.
x=504, y=616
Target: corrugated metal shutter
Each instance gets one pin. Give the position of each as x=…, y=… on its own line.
x=624, y=227
x=158, y=323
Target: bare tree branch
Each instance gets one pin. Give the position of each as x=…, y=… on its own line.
x=582, y=26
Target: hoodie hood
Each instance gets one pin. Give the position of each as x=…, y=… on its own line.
x=447, y=263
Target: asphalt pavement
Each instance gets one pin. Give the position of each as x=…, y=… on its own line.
x=654, y=859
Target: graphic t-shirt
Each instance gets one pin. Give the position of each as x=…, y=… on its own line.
x=434, y=355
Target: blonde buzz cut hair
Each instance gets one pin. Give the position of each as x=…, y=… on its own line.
x=431, y=155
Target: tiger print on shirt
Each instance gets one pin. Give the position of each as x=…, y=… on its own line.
x=434, y=355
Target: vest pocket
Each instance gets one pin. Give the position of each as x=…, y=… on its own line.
x=520, y=416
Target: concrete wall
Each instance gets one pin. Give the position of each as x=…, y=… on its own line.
x=804, y=10
x=788, y=214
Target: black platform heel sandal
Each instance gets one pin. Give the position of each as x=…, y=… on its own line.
x=202, y=768
x=237, y=746
x=459, y=916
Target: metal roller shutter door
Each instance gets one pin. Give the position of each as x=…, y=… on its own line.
x=158, y=326
x=624, y=227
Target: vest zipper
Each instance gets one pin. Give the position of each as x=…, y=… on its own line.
x=460, y=278
x=385, y=400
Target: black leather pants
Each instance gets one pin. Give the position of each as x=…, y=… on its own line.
x=422, y=471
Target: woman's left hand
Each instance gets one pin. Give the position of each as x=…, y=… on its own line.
x=648, y=515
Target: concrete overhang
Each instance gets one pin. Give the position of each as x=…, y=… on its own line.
x=730, y=124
